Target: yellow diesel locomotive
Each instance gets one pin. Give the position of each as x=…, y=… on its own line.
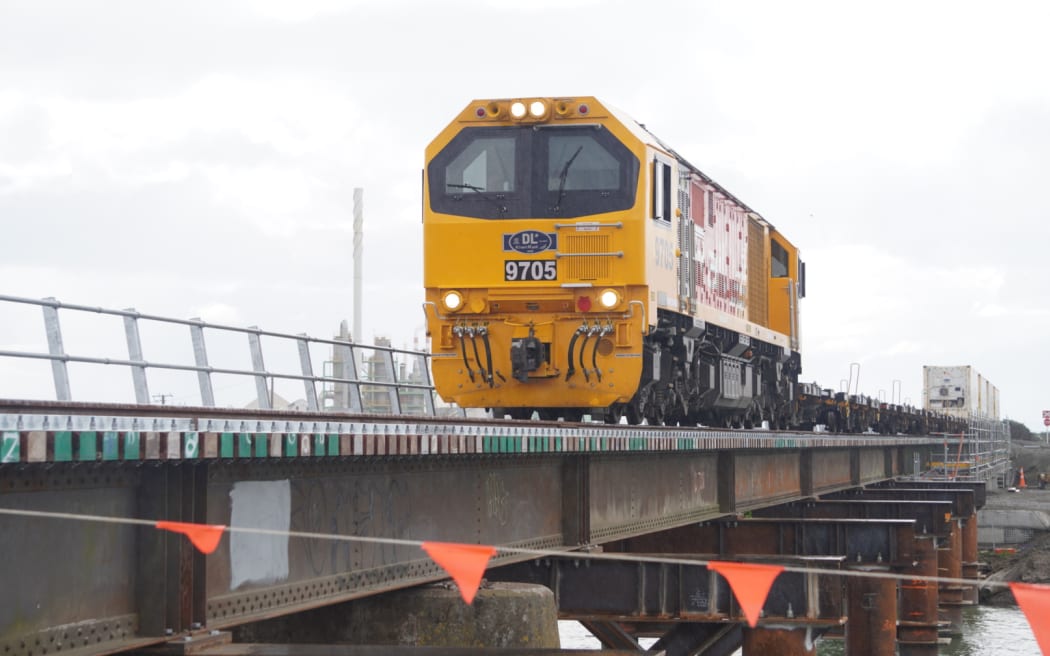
x=575, y=264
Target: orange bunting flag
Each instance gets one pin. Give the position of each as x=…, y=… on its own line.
x=1034, y=600
x=750, y=583
x=203, y=536
x=465, y=563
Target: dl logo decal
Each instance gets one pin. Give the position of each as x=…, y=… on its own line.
x=530, y=241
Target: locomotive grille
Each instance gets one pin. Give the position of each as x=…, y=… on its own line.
x=586, y=267
x=757, y=308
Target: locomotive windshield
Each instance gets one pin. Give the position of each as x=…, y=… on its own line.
x=533, y=172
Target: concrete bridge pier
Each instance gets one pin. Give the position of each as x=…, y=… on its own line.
x=503, y=615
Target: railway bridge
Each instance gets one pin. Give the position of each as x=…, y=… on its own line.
x=323, y=506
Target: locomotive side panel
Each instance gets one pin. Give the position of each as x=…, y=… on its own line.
x=737, y=284
x=783, y=290
x=660, y=232
x=724, y=280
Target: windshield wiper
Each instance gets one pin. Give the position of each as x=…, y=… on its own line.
x=465, y=186
x=563, y=176
x=479, y=191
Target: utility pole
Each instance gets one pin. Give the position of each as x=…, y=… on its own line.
x=359, y=221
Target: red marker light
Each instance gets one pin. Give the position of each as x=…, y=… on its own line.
x=480, y=111
x=583, y=109
x=583, y=304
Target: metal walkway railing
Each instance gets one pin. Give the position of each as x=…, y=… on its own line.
x=357, y=378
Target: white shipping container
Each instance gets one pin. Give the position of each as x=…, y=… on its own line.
x=959, y=391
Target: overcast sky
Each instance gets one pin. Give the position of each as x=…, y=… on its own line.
x=198, y=159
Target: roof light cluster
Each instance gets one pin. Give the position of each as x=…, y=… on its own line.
x=528, y=110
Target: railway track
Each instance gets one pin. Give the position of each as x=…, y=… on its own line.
x=49, y=431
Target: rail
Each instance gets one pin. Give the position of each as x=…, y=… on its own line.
x=356, y=377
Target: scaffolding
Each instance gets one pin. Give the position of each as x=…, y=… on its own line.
x=981, y=453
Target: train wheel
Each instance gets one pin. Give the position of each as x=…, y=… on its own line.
x=656, y=416
x=614, y=413
x=514, y=413
x=634, y=414
x=574, y=415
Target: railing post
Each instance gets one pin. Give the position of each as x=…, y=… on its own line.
x=261, y=391
x=138, y=372
x=348, y=371
x=391, y=375
x=55, y=348
x=428, y=395
x=308, y=373
x=200, y=358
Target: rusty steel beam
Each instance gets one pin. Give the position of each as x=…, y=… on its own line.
x=488, y=500
x=688, y=606
x=778, y=642
x=872, y=625
x=930, y=516
x=299, y=649
x=917, y=628
x=612, y=635
x=612, y=590
x=860, y=540
x=49, y=563
x=967, y=498
x=864, y=544
x=970, y=565
x=708, y=639
x=952, y=596
x=979, y=488
x=962, y=499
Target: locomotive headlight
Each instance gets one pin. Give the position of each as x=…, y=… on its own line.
x=517, y=109
x=538, y=109
x=609, y=298
x=452, y=301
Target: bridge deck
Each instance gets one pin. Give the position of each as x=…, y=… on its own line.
x=373, y=484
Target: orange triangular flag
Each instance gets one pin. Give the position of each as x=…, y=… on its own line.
x=750, y=583
x=203, y=536
x=465, y=563
x=1034, y=600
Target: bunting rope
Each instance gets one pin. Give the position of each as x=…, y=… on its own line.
x=542, y=553
x=466, y=564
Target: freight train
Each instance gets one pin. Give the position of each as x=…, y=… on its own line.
x=575, y=264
